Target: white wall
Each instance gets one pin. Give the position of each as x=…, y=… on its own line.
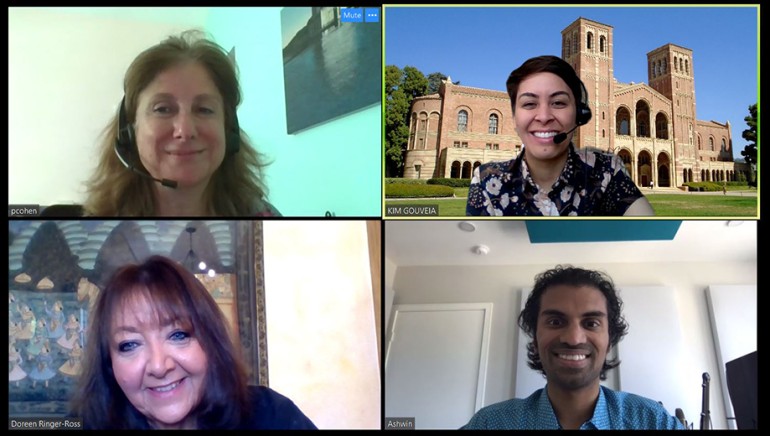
x=501, y=286
x=65, y=82
x=336, y=166
x=734, y=331
x=321, y=337
x=390, y=275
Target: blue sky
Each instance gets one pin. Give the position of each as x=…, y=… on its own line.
x=480, y=46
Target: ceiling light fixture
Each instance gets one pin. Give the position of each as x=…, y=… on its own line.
x=481, y=250
x=466, y=226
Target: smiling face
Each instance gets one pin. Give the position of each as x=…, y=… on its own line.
x=572, y=335
x=160, y=366
x=180, y=125
x=545, y=107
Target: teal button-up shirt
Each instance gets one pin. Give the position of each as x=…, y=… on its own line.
x=614, y=410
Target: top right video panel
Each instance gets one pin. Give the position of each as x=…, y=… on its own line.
x=562, y=111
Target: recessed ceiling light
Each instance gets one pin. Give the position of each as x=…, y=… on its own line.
x=466, y=226
x=481, y=250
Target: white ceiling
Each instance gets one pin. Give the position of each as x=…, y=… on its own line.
x=412, y=243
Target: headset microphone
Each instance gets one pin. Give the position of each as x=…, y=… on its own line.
x=124, y=143
x=582, y=117
x=559, y=138
x=164, y=182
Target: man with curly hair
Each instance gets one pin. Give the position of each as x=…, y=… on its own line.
x=574, y=318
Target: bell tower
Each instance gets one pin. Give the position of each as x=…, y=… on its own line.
x=670, y=72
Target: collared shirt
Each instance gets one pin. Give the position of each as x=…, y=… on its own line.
x=592, y=182
x=614, y=410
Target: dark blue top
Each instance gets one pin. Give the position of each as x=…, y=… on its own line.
x=614, y=410
x=273, y=411
x=592, y=182
x=269, y=410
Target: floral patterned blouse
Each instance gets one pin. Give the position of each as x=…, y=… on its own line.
x=593, y=182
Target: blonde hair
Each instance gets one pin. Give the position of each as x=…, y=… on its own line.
x=236, y=187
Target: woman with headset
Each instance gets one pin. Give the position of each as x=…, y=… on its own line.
x=175, y=147
x=550, y=177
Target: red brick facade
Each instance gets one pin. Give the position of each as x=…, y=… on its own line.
x=651, y=126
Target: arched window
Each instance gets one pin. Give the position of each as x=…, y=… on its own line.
x=724, y=145
x=711, y=143
x=602, y=133
x=622, y=121
x=676, y=66
x=664, y=66
x=642, y=129
x=700, y=147
x=624, y=127
x=590, y=41
x=661, y=128
x=493, y=124
x=687, y=66
x=601, y=44
x=568, y=46
x=681, y=69
x=462, y=121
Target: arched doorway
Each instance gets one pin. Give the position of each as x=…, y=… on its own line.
x=467, y=170
x=644, y=169
x=664, y=175
x=625, y=156
x=455, y=174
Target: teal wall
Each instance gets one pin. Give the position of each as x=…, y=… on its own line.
x=335, y=166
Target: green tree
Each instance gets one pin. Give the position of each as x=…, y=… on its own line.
x=415, y=83
x=434, y=81
x=401, y=87
x=749, y=152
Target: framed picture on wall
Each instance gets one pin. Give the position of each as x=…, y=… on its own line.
x=58, y=268
x=331, y=66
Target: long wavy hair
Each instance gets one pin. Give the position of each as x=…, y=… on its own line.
x=236, y=188
x=176, y=295
x=569, y=275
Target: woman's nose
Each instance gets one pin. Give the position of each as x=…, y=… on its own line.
x=160, y=362
x=543, y=113
x=184, y=126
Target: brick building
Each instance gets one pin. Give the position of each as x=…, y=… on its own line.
x=652, y=127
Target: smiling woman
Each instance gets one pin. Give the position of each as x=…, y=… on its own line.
x=160, y=356
x=551, y=177
x=175, y=147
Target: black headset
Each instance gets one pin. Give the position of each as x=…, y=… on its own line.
x=125, y=143
x=583, y=115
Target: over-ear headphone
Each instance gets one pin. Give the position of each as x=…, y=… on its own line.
x=583, y=115
x=125, y=143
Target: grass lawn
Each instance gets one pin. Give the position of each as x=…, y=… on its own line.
x=671, y=205
x=703, y=205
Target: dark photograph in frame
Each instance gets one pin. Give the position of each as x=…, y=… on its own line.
x=57, y=268
x=331, y=67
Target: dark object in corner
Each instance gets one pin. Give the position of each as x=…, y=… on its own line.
x=742, y=384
